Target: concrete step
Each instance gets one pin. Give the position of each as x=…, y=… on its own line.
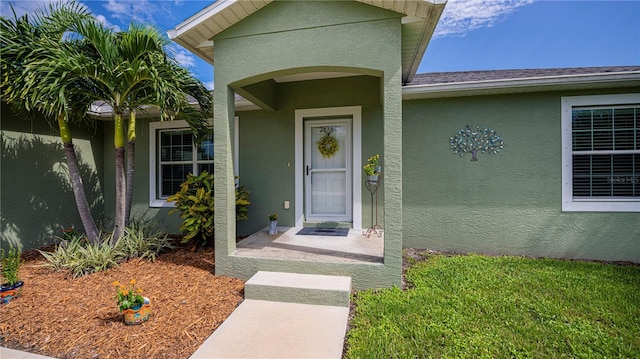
x=299, y=288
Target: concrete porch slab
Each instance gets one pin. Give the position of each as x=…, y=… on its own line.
x=355, y=248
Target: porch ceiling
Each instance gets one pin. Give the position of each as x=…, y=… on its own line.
x=421, y=17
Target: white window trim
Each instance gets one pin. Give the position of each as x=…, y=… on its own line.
x=569, y=204
x=155, y=202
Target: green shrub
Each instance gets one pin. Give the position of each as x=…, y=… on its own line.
x=79, y=257
x=143, y=239
x=195, y=202
x=10, y=265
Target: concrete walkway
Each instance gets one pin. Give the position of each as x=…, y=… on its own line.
x=6, y=353
x=264, y=329
x=284, y=315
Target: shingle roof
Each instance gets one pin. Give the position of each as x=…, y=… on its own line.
x=495, y=75
x=476, y=79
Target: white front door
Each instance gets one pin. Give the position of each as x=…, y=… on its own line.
x=328, y=177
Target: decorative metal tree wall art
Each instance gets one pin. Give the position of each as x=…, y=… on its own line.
x=473, y=139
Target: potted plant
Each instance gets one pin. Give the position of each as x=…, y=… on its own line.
x=273, y=224
x=11, y=284
x=131, y=303
x=373, y=169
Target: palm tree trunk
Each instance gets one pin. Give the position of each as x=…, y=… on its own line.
x=131, y=164
x=131, y=157
x=90, y=228
x=118, y=226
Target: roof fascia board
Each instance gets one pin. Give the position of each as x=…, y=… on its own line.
x=430, y=23
x=200, y=17
x=491, y=86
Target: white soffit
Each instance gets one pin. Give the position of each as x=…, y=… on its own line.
x=421, y=17
x=196, y=32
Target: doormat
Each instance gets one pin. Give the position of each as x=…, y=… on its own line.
x=333, y=232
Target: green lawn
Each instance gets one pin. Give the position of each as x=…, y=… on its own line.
x=498, y=307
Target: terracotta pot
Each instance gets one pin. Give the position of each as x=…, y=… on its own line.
x=9, y=292
x=138, y=314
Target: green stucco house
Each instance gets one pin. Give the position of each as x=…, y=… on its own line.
x=289, y=73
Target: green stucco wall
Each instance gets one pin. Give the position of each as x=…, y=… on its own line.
x=509, y=203
x=285, y=36
x=267, y=150
x=140, y=210
x=36, y=200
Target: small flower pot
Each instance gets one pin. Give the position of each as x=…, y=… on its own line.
x=373, y=179
x=138, y=314
x=273, y=227
x=8, y=292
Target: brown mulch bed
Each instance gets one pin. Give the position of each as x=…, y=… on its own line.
x=78, y=318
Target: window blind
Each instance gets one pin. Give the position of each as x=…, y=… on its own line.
x=606, y=152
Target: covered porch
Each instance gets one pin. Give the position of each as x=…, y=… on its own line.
x=338, y=73
x=363, y=259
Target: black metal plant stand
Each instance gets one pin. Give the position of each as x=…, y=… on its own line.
x=372, y=187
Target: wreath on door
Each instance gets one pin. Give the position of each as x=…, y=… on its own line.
x=328, y=145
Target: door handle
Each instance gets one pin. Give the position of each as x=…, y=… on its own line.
x=307, y=170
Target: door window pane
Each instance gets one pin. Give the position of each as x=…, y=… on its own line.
x=328, y=179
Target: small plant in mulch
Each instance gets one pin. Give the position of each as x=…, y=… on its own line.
x=10, y=265
x=70, y=233
x=79, y=257
x=128, y=297
x=11, y=284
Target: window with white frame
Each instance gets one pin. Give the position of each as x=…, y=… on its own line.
x=174, y=154
x=601, y=153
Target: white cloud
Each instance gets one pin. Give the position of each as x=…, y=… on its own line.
x=182, y=56
x=30, y=7
x=118, y=7
x=146, y=11
x=103, y=20
x=463, y=16
x=128, y=10
x=208, y=85
x=23, y=7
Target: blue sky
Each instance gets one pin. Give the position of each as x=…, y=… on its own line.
x=471, y=35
